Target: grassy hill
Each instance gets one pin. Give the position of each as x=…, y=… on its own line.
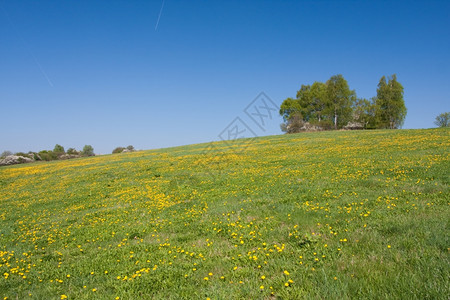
x=315, y=215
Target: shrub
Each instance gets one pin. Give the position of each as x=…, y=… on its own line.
x=118, y=150
x=48, y=155
x=22, y=154
x=72, y=151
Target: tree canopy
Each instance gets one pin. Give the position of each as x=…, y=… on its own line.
x=443, y=120
x=58, y=149
x=87, y=151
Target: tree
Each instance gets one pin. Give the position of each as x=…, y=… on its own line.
x=59, y=149
x=293, y=124
x=340, y=99
x=310, y=103
x=6, y=153
x=130, y=148
x=318, y=101
x=443, y=120
x=87, y=151
x=390, y=104
x=364, y=112
x=289, y=107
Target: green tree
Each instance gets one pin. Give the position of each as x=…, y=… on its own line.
x=310, y=103
x=340, y=99
x=364, y=112
x=87, y=151
x=443, y=120
x=304, y=99
x=130, y=147
x=391, y=109
x=59, y=149
x=318, y=101
x=289, y=107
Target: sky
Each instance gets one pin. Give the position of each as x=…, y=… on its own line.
x=156, y=74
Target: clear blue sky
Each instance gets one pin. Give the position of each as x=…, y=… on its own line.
x=107, y=73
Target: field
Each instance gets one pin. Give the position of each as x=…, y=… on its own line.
x=315, y=215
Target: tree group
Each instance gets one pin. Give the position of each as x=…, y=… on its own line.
x=333, y=105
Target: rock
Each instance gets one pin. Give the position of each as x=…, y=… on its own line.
x=125, y=150
x=69, y=156
x=354, y=126
x=14, y=159
x=35, y=156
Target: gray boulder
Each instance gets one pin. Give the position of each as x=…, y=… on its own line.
x=14, y=159
x=354, y=126
x=69, y=156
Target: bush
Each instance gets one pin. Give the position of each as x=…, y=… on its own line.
x=118, y=150
x=87, y=151
x=48, y=155
x=325, y=124
x=22, y=154
x=72, y=151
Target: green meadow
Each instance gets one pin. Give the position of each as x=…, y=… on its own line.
x=344, y=214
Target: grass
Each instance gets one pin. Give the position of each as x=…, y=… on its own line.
x=316, y=215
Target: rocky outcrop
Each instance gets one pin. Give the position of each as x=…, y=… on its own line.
x=69, y=156
x=14, y=159
x=353, y=126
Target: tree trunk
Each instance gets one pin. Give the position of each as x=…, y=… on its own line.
x=335, y=120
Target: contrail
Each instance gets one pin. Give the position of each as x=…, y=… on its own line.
x=40, y=67
x=27, y=47
x=159, y=16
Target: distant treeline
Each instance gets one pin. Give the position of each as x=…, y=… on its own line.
x=58, y=152
x=333, y=105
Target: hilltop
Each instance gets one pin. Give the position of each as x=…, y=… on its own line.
x=348, y=214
